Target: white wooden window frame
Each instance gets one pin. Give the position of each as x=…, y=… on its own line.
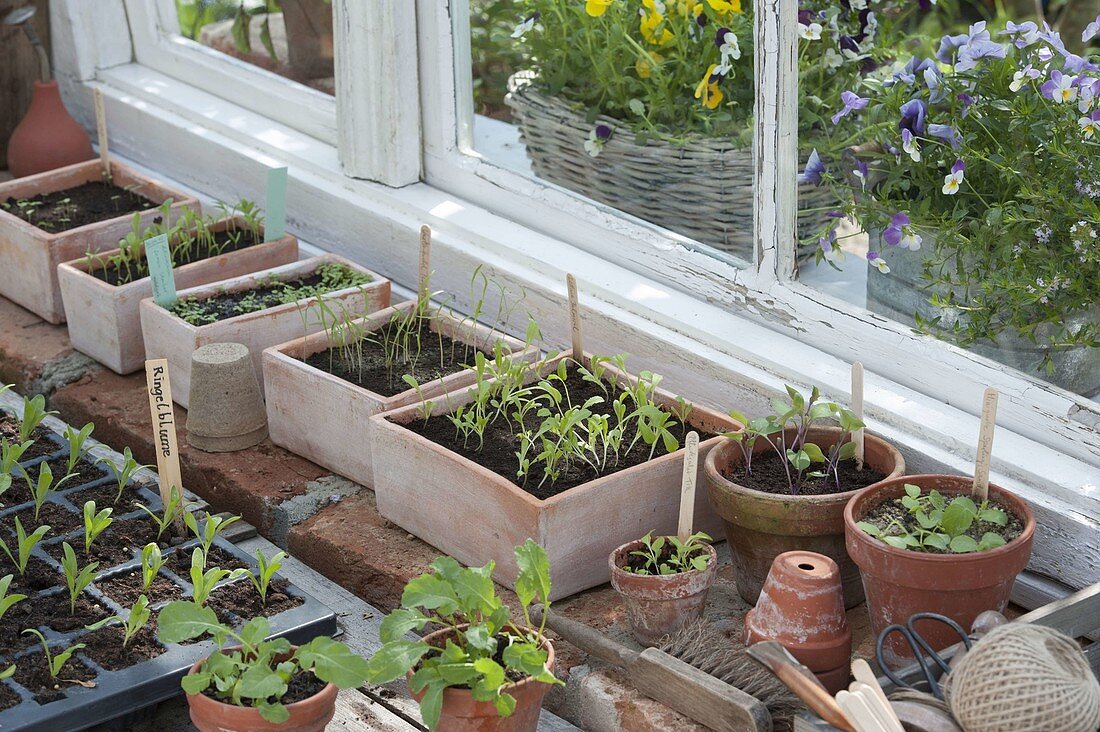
x=722, y=335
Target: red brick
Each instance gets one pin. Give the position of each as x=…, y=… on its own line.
x=27, y=345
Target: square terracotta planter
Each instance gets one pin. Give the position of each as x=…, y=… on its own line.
x=170, y=337
x=104, y=319
x=475, y=515
x=29, y=255
x=326, y=419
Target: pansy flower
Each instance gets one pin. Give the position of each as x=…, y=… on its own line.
x=707, y=89
x=1023, y=34
x=525, y=25
x=814, y=169
x=832, y=59
x=976, y=50
x=953, y=180
x=912, y=116
x=596, y=8
x=933, y=79
x=1090, y=124
x=947, y=133
x=910, y=145
x=1060, y=87
x=1022, y=76
x=729, y=48
x=597, y=138
x=875, y=260
x=900, y=234
x=852, y=102
x=811, y=32
x=652, y=20
x=725, y=6
x=967, y=102
x=1092, y=30
x=908, y=73
x=863, y=172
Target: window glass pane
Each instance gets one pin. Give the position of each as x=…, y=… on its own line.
x=292, y=38
x=964, y=157
x=645, y=105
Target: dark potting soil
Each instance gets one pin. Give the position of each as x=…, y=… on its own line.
x=8, y=698
x=85, y=473
x=60, y=519
x=180, y=561
x=118, y=544
x=34, y=675
x=302, y=686
x=125, y=589
x=439, y=356
x=39, y=575
x=85, y=204
x=105, y=647
x=105, y=495
x=328, y=278
x=43, y=445
x=887, y=512
x=769, y=476
x=635, y=562
x=224, y=243
x=244, y=601
x=52, y=611
x=501, y=444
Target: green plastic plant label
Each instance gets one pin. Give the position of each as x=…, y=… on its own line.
x=160, y=270
x=275, y=217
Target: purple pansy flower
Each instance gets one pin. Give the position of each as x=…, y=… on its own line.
x=1092, y=30
x=1024, y=34
x=862, y=172
x=875, y=259
x=1060, y=87
x=912, y=116
x=967, y=101
x=814, y=169
x=947, y=133
x=852, y=102
x=952, y=182
x=933, y=79
x=970, y=54
x=908, y=74
x=900, y=234
x=910, y=145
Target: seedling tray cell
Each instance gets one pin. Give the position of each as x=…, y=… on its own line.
x=124, y=693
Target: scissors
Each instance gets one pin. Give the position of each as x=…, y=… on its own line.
x=919, y=647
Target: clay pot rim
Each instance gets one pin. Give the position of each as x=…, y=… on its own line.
x=329, y=688
x=510, y=686
x=718, y=481
x=869, y=541
x=620, y=551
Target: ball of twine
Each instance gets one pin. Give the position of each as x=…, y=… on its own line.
x=1024, y=678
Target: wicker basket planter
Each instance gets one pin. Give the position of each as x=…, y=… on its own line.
x=701, y=188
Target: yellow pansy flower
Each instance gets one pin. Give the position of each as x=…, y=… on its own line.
x=708, y=90
x=725, y=6
x=596, y=8
x=644, y=66
x=651, y=21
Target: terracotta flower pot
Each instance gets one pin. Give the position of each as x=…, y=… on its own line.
x=47, y=137
x=760, y=526
x=802, y=607
x=461, y=713
x=309, y=715
x=659, y=604
x=900, y=583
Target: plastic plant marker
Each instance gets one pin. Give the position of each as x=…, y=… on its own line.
x=101, y=131
x=159, y=258
x=980, y=489
x=275, y=216
x=164, y=432
x=425, y=273
x=857, y=410
x=687, y=485
x=575, y=317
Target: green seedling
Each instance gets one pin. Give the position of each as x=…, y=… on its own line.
x=126, y=472
x=941, y=526
x=168, y=515
x=683, y=556
x=151, y=562
x=95, y=523
x=76, y=577
x=265, y=571
x=44, y=487
x=6, y=600
x=212, y=526
x=10, y=452
x=203, y=581
x=77, y=447
x=24, y=545
x=54, y=663
x=132, y=624
x=8, y=672
x=34, y=412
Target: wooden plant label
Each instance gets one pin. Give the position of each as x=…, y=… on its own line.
x=425, y=271
x=575, y=318
x=159, y=257
x=101, y=132
x=275, y=214
x=164, y=429
x=687, y=485
x=980, y=489
x=857, y=410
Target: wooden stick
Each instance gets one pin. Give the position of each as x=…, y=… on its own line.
x=687, y=485
x=164, y=433
x=575, y=318
x=857, y=410
x=980, y=489
x=425, y=276
x=101, y=131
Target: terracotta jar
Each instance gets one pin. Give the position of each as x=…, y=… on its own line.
x=760, y=526
x=461, y=713
x=900, y=583
x=659, y=604
x=48, y=137
x=309, y=715
x=802, y=607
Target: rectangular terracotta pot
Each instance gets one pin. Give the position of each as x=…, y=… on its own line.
x=475, y=515
x=170, y=337
x=104, y=321
x=29, y=256
x=326, y=419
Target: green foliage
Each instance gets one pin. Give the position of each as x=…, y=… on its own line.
x=8, y=672
x=34, y=411
x=169, y=512
x=54, y=663
x=464, y=600
x=77, y=447
x=95, y=523
x=6, y=600
x=212, y=526
x=685, y=556
x=24, y=544
x=132, y=624
x=203, y=580
x=941, y=526
x=257, y=672
x=265, y=571
x=76, y=577
x=42, y=489
x=126, y=472
x=10, y=452
x=151, y=562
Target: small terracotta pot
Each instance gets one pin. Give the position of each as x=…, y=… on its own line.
x=900, y=583
x=309, y=715
x=461, y=713
x=657, y=605
x=760, y=526
x=802, y=607
x=47, y=137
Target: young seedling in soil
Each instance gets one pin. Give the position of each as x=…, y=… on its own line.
x=132, y=624
x=212, y=526
x=41, y=490
x=669, y=555
x=126, y=472
x=266, y=569
x=77, y=440
x=95, y=523
x=6, y=600
x=76, y=577
x=24, y=545
x=10, y=452
x=151, y=562
x=54, y=663
x=34, y=412
x=203, y=581
x=168, y=515
x=8, y=672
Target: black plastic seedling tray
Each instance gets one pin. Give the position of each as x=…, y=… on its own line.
x=124, y=693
